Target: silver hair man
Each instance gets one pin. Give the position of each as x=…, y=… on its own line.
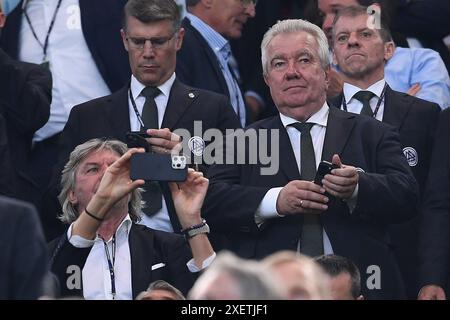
x=232, y=278
x=293, y=26
x=68, y=181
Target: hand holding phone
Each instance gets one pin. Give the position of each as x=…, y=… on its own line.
x=324, y=168
x=137, y=139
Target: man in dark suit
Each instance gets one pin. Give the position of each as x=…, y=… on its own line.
x=6, y=177
x=434, y=244
x=25, y=96
x=177, y=106
x=104, y=254
x=23, y=251
x=371, y=182
x=79, y=42
x=204, y=58
x=361, y=54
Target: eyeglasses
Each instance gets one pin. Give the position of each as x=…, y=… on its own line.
x=157, y=43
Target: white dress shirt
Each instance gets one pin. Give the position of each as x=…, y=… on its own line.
x=159, y=220
x=96, y=274
x=355, y=106
x=268, y=207
x=76, y=78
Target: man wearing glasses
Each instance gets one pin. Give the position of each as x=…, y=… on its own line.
x=205, y=60
x=153, y=101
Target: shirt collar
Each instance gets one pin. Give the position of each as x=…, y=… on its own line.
x=320, y=117
x=124, y=227
x=350, y=90
x=137, y=87
x=214, y=39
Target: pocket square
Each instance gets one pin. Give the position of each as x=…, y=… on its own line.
x=158, y=265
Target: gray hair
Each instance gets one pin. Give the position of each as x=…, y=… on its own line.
x=68, y=180
x=251, y=279
x=162, y=285
x=311, y=270
x=295, y=26
x=148, y=11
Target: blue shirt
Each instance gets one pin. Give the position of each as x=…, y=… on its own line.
x=409, y=66
x=222, y=50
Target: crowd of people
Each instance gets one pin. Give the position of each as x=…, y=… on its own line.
x=340, y=83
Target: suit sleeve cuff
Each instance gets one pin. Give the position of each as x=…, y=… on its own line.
x=352, y=201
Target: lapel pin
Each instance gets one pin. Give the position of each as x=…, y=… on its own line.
x=191, y=95
x=197, y=147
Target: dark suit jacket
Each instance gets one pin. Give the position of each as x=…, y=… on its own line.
x=147, y=248
x=197, y=64
x=109, y=117
x=23, y=251
x=25, y=96
x=434, y=248
x=387, y=194
x=6, y=177
x=427, y=21
x=416, y=120
x=101, y=24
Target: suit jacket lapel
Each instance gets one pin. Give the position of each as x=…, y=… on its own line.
x=395, y=110
x=141, y=249
x=117, y=113
x=213, y=61
x=288, y=163
x=336, y=101
x=181, y=97
x=339, y=127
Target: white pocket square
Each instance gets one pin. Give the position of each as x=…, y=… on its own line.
x=158, y=265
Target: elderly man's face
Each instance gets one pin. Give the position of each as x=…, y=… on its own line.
x=294, y=72
x=228, y=17
x=88, y=176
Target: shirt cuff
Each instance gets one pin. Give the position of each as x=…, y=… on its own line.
x=352, y=201
x=268, y=206
x=193, y=267
x=77, y=241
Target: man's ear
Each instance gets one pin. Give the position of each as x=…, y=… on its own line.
x=72, y=197
x=389, y=48
x=2, y=19
x=207, y=3
x=124, y=39
x=327, y=76
x=180, y=38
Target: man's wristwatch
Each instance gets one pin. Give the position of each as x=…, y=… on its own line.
x=195, y=230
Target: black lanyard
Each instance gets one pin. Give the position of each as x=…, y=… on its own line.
x=380, y=99
x=45, y=45
x=138, y=115
x=111, y=261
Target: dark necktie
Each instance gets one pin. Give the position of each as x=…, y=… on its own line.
x=364, y=97
x=311, y=240
x=150, y=110
x=152, y=195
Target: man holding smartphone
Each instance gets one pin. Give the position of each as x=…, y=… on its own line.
x=154, y=101
x=262, y=214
